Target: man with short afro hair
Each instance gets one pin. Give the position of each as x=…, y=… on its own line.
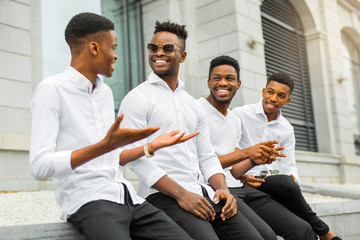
x=75, y=142
x=178, y=30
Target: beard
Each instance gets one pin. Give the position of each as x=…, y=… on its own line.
x=221, y=102
x=164, y=73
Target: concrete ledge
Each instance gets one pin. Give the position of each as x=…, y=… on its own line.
x=14, y=142
x=47, y=231
x=315, y=157
x=342, y=217
x=330, y=190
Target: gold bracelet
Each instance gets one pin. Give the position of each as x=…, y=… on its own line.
x=146, y=151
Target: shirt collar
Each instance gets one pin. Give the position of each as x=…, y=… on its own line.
x=80, y=80
x=260, y=110
x=214, y=109
x=155, y=79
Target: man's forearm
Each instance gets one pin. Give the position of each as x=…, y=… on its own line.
x=83, y=155
x=169, y=187
x=217, y=181
x=241, y=168
x=232, y=158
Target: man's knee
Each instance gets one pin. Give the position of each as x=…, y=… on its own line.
x=286, y=184
x=304, y=231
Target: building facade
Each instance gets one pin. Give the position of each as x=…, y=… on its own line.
x=20, y=72
x=315, y=41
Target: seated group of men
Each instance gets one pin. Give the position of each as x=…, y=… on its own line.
x=199, y=163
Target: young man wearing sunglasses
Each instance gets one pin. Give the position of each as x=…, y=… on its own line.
x=75, y=142
x=186, y=181
x=263, y=121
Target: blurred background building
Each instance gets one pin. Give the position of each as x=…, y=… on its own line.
x=315, y=41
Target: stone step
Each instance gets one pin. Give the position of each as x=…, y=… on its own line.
x=47, y=231
x=342, y=217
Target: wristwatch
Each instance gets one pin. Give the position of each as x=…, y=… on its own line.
x=146, y=151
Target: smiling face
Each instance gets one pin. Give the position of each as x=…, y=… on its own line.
x=223, y=84
x=166, y=65
x=275, y=96
x=106, y=57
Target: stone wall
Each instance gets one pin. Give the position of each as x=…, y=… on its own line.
x=20, y=71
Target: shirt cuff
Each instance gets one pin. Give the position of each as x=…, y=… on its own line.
x=62, y=163
x=154, y=176
x=212, y=171
x=148, y=171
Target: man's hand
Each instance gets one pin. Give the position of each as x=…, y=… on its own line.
x=265, y=152
x=115, y=137
x=169, y=139
x=251, y=180
x=230, y=208
x=197, y=205
x=293, y=177
x=118, y=137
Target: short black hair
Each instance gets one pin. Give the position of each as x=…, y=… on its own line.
x=283, y=78
x=84, y=24
x=224, y=60
x=178, y=30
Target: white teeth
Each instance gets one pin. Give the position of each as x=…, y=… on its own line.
x=160, y=61
x=222, y=90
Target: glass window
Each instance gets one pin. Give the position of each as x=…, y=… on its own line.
x=126, y=15
x=352, y=75
x=55, y=15
x=285, y=51
x=129, y=68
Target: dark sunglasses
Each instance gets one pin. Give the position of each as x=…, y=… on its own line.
x=266, y=173
x=166, y=48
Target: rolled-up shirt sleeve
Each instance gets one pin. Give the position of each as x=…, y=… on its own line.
x=45, y=162
x=135, y=109
x=208, y=160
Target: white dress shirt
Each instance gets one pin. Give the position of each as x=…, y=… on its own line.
x=153, y=103
x=66, y=116
x=225, y=133
x=256, y=128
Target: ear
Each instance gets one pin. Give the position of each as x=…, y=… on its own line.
x=183, y=56
x=94, y=48
x=238, y=85
x=209, y=83
x=263, y=92
x=287, y=101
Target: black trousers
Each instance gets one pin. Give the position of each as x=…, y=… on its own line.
x=105, y=220
x=280, y=219
x=237, y=227
x=283, y=189
x=261, y=226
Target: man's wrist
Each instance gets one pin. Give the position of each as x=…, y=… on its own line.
x=253, y=164
x=151, y=148
x=104, y=146
x=179, y=193
x=147, y=153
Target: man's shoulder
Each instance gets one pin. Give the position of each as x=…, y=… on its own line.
x=143, y=89
x=233, y=117
x=53, y=82
x=244, y=110
x=202, y=102
x=285, y=123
